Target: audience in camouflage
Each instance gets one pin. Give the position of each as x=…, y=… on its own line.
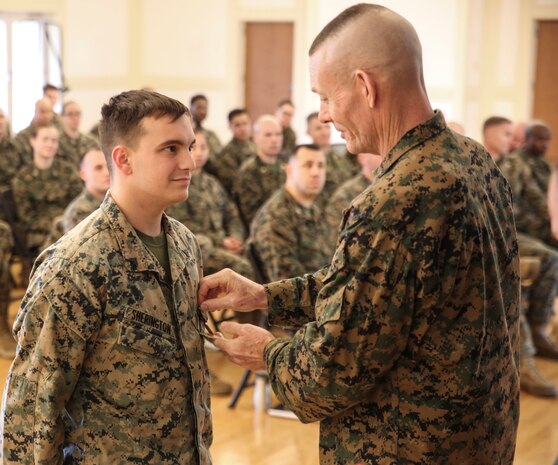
x=288, y=232
x=226, y=164
x=44, y=188
x=260, y=176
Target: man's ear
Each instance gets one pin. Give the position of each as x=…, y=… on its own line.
x=367, y=85
x=120, y=160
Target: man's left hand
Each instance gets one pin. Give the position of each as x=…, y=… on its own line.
x=246, y=344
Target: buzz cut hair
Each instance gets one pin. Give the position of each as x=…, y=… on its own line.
x=343, y=19
x=495, y=121
x=236, y=112
x=297, y=148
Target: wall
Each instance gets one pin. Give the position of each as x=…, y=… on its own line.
x=478, y=54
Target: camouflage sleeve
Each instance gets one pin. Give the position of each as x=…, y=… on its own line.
x=524, y=192
x=291, y=301
x=75, y=186
x=248, y=196
x=52, y=327
x=363, y=319
x=334, y=215
x=231, y=218
x=277, y=249
x=23, y=204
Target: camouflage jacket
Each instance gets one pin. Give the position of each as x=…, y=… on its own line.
x=290, y=239
x=213, y=142
x=41, y=195
x=208, y=210
x=338, y=170
x=72, y=150
x=10, y=162
x=105, y=369
x=79, y=209
x=23, y=145
x=255, y=183
x=528, y=176
x=289, y=139
x=341, y=199
x=225, y=165
x=409, y=347
x=6, y=240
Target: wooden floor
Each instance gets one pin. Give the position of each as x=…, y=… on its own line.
x=243, y=437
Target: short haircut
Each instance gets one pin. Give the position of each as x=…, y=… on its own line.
x=534, y=126
x=65, y=104
x=495, y=121
x=92, y=147
x=122, y=116
x=35, y=129
x=312, y=116
x=294, y=152
x=49, y=86
x=236, y=112
x=197, y=97
x=341, y=20
x=285, y=102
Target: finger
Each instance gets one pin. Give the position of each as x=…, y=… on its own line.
x=232, y=328
x=209, y=283
x=218, y=303
x=222, y=344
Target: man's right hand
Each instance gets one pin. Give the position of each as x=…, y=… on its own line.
x=227, y=289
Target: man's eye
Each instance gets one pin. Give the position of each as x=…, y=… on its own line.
x=171, y=149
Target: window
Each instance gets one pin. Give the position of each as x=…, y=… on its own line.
x=30, y=56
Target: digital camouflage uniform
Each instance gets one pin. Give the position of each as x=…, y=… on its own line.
x=289, y=139
x=544, y=288
x=409, y=348
x=6, y=243
x=528, y=176
x=212, y=216
x=338, y=170
x=23, y=145
x=213, y=142
x=290, y=239
x=225, y=165
x=105, y=368
x=340, y=200
x=255, y=183
x=41, y=195
x=72, y=150
x=79, y=209
x=9, y=162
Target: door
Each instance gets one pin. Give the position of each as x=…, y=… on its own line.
x=269, y=66
x=545, y=104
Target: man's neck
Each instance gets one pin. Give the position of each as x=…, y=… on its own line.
x=43, y=164
x=95, y=193
x=299, y=197
x=142, y=215
x=267, y=159
x=72, y=134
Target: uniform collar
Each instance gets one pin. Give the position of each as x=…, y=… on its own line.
x=412, y=138
x=135, y=253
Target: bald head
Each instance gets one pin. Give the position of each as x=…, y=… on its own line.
x=43, y=112
x=392, y=45
x=537, y=138
x=366, y=66
x=268, y=137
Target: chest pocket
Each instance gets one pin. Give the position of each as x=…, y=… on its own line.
x=143, y=362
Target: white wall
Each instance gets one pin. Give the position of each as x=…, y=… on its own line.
x=478, y=54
